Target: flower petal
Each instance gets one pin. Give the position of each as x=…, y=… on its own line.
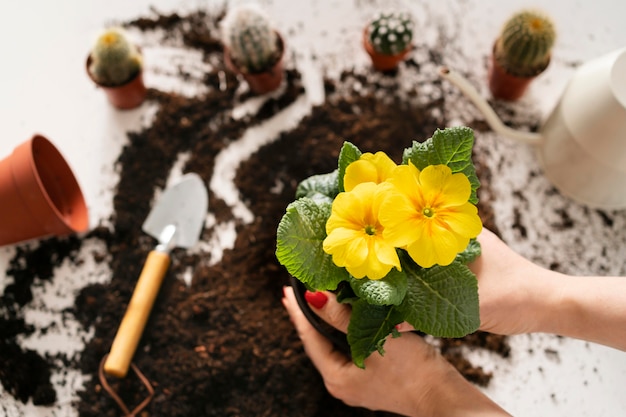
x=370, y=167
x=457, y=190
x=463, y=220
x=358, y=172
x=339, y=244
x=386, y=253
x=436, y=245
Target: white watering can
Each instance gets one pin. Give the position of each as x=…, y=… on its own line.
x=582, y=144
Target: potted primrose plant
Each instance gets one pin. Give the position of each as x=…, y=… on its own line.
x=387, y=39
x=252, y=48
x=521, y=52
x=392, y=240
x=115, y=65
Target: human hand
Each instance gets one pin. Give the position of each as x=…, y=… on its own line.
x=510, y=299
x=411, y=379
x=507, y=289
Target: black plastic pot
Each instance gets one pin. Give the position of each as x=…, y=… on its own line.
x=337, y=337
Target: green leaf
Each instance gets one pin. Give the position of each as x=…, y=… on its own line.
x=471, y=252
x=345, y=294
x=369, y=327
x=300, y=234
x=452, y=147
x=389, y=290
x=442, y=300
x=348, y=154
x=325, y=184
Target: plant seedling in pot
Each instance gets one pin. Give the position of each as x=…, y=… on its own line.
x=116, y=66
x=387, y=39
x=253, y=48
x=393, y=240
x=521, y=52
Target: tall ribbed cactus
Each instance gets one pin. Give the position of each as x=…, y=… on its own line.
x=525, y=43
x=114, y=60
x=250, y=38
x=390, y=32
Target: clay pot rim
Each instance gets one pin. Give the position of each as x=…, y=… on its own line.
x=44, y=196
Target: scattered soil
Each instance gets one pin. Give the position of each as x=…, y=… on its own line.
x=222, y=346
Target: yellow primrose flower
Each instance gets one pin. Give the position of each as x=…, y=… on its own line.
x=429, y=214
x=369, y=167
x=355, y=236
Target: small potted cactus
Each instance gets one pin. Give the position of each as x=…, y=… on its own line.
x=387, y=39
x=252, y=48
x=115, y=65
x=521, y=52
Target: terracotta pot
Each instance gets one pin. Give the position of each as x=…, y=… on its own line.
x=126, y=96
x=262, y=82
x=504, y=85
x=39, y=194
x=383, y=62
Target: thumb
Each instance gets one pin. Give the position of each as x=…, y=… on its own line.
x=325, y=305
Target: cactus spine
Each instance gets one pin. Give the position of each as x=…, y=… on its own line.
x=252, y=41
x=525, y=43
x=390, y=33
x=114, y=60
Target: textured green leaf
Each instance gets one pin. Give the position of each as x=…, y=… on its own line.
x=300, y=234
x=348, y=154
x=325, y=184
x=471, y=252
x=369, y=327
x=442, y=300
x=387, y=291
x=452, y=147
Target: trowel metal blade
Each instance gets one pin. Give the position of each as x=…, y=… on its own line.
x=183, y=205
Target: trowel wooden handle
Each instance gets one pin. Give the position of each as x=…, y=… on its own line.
x=137, y=313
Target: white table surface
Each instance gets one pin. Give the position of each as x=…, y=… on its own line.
x=44, y=89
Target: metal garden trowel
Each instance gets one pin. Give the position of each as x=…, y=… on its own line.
x=176, y=220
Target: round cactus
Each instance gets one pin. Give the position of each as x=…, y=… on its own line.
x=390, y=33
x=251, y=40
x=114, y=60
x=525, y=43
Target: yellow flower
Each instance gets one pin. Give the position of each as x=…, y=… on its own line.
x=355, y=236
x=428, y=214
x=369, y=167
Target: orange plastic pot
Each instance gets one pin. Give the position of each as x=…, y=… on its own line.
x=126, y=96
x=506, y=86
x=39, y=193
x=383, y=62
x=260, y=82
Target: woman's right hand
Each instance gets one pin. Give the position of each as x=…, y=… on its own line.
x=517, y=296
x=508, y=288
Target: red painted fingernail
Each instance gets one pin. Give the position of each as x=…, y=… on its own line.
x=316, y=299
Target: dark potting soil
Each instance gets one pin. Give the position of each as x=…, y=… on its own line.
x=223, y=346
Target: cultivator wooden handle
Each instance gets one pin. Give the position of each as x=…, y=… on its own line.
x=137, y=313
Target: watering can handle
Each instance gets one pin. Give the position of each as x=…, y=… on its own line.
x=490, y=116
x=137, y=313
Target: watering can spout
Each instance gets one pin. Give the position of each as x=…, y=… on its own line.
x=490, y=115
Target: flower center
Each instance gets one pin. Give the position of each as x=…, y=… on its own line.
x=428, y=212
x=370, y=230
